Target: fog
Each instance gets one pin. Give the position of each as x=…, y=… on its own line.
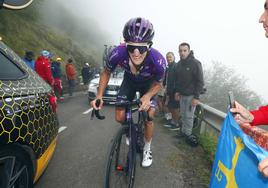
x=84, y=31
x=226, y=31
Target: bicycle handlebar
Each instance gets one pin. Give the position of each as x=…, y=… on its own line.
x=133, y=103
x=128, y=103
x=121, y=104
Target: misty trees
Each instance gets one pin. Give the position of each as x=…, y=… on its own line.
x=219, y=79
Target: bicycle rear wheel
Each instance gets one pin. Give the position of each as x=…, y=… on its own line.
x=120, y=166
x=198, y=117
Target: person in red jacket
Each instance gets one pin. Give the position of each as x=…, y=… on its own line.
x=259, y=116
x=254, y=117
x=42, y=67
x=71, y=76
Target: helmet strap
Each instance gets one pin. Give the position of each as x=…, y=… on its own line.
x=150, y=44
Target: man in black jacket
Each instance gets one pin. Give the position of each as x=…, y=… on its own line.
x=169, y=83
x=189, y=84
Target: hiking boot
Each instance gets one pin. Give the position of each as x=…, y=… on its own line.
x=192, y=140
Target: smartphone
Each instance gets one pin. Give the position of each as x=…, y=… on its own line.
x=231, y=99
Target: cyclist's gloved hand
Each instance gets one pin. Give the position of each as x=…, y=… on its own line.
x=97, y=103
x=145, y=103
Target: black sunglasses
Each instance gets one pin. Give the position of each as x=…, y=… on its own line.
x=142, y=49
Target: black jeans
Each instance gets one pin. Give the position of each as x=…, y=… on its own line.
x=71, y=84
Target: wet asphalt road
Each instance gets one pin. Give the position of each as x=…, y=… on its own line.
x=79, y=159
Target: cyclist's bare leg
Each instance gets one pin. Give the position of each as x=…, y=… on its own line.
x=148, y=134
x=149, y=126
x=120, y=114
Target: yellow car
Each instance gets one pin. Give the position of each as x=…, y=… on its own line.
x=28, y=122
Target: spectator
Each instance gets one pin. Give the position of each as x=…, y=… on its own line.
x=188, y=86
x=86, y=75
x=259, y=116
x=29, y=59
x=161, y=103
x=42, y=67
x=71, y=76
x=56, y=73
x=172, y=104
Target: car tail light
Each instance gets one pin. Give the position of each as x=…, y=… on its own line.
x=53, y=102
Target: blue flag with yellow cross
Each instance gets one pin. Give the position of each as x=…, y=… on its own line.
x=237, y=158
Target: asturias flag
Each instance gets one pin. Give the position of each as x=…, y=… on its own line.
x=237, y=158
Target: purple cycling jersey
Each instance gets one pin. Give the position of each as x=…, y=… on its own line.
x=153, y=67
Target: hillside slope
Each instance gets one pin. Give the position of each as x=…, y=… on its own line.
x=23, y=30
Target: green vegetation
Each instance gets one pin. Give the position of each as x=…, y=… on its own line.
x=209, y=144
x=194, y=164
x=24, y=30
x=191, y=162
x=197, y=161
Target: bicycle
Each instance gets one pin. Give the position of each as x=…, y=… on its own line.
x=198, y=117
x=126, y=144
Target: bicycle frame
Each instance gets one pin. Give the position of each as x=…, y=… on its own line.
x=135, y=133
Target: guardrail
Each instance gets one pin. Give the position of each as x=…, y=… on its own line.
x=211, y=120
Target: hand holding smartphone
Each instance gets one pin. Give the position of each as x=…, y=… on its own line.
x=231, y=99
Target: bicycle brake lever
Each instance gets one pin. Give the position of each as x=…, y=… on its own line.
x=96, y=112
x=92, y=114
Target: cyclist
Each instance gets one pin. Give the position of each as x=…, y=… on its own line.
x=144, y=70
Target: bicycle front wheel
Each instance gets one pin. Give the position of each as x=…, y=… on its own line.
x=121, y=164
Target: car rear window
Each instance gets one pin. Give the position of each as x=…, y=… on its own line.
x=9, y=70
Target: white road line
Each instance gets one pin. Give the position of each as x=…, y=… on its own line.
x=61, y=129
x=89, y=110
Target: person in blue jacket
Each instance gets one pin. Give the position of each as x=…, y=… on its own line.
x=29, y=59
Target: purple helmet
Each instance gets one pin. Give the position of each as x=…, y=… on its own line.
x=138, y=30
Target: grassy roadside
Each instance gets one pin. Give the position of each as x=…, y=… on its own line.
x=194, y=164
x=209, y=145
